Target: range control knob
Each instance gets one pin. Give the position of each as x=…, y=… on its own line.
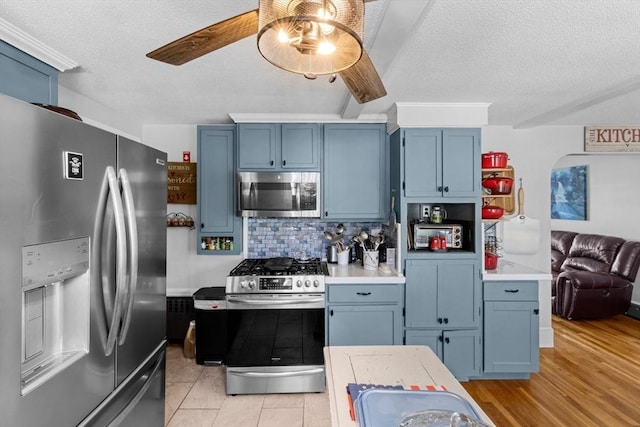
x=316, y=283
x=252, y=284
x=307, y=283
x=244, y=284
x=299, y=283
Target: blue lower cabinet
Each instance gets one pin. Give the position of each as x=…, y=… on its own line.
x=460, y=350
x=511, y=329
x=364, y=314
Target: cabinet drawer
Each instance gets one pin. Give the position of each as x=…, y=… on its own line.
x=510, y=291
x=365, y=294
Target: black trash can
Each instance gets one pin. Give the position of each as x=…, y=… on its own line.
x=210, y=307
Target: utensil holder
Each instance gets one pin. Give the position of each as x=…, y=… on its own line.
x=370, y=260
x=344, y=257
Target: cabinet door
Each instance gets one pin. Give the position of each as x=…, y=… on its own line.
x=458, y=293
x=462, y=353
x=431, y=338
x=258, y=145
x=461, y=162
x=422, y=162
x=216, y=180
x=355, y=172
x=511, y=336
x=459, y=350
x=300, y=146
x=442, y=294
x=363, y=324
x=27, y=78
x=421, y=294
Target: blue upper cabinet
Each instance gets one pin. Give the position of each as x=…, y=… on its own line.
x=441, y=162
x=27, y=78
x=273, y=146
x=356, y=172
x=216, y=189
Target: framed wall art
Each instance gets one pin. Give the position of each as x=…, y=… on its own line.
x=569, y=193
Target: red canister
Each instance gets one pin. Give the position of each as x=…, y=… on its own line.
x=434, y=243
x=443, y=242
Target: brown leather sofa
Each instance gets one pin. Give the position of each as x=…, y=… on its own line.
x=592, y=274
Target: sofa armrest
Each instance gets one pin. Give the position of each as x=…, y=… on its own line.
x=590, y=280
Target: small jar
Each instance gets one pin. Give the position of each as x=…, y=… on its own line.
x=443, y=242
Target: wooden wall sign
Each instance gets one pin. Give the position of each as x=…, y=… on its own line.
x=181, y=183
x=612, y=138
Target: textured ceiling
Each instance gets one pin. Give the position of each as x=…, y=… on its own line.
x=543, y=62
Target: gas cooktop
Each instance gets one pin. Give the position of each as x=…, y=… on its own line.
x=282, y=266
x=277, y=275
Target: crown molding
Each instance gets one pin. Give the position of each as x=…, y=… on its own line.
x=304, y=118
x=30, y=45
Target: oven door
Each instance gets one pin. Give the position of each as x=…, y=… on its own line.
x=275, y=343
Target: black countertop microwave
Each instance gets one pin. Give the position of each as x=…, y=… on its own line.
x=278, y=194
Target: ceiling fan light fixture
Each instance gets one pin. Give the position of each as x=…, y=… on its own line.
x=313, y=37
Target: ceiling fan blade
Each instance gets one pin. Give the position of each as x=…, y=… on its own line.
x=363, y=80
x=207, y=39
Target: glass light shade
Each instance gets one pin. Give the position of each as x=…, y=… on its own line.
x=311, y=37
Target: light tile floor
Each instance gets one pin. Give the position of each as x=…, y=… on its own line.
x=195, y=397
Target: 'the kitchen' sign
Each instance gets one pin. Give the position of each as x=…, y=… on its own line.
x=612, y=138
x=181, y=182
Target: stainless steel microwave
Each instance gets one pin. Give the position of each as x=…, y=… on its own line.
x=279, y=194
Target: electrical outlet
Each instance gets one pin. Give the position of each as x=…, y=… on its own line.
x=425, y=211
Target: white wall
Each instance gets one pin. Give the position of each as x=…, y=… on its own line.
x=186, y=271
x=613, y=195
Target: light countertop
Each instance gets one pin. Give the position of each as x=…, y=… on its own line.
x=508, y=270
x=403, y=365
x=355, y=273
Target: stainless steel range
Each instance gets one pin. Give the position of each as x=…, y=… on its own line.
x=276, y=326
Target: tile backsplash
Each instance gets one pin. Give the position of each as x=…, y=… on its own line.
x=296, y=237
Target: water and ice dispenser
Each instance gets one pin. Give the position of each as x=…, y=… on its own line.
x=55, y=308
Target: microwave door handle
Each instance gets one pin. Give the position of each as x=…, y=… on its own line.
x=296, y=192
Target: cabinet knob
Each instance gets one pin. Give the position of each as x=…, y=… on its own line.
x=536, y=311
x=512, y=291
x=202, y=225
x=446, y=189
x=284, y=163
x=440, y=188
x=363, y=293
x=326, y=213
x=446, y=320
x=439, y=319
x=271, y=162
x=446, y=340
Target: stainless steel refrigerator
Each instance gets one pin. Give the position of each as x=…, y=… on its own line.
x=83, y=273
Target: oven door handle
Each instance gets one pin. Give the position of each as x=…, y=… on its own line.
x=279, y=374
x=276, y=302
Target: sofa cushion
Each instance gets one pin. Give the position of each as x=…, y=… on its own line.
x=560, y=245
x=592, y=252
x=627, y=262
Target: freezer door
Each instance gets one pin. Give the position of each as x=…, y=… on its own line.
x=144, y=324
x=43, y=202
x=139, y=400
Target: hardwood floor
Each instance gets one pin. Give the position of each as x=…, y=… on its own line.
x=590, y=378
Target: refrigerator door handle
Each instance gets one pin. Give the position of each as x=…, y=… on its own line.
x=111, y=187
x=132, y=239
x=140, y=394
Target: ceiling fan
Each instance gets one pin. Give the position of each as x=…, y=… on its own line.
x=309, y=37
